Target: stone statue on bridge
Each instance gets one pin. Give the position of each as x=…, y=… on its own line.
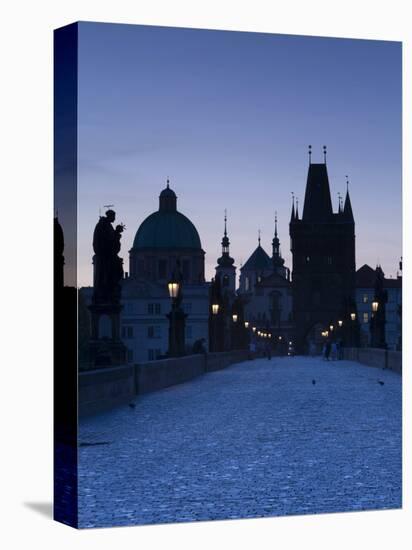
x=108, y=267
x=106, y=350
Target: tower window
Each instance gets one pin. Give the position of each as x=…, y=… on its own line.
x=153, y=309
x=153, y=332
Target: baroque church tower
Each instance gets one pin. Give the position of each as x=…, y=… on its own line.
x=225, y=269
x=323, y=252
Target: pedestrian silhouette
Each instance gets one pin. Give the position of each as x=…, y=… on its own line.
x=380, y=382
x=313, y=382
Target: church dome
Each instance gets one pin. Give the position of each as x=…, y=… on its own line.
x=167, y=228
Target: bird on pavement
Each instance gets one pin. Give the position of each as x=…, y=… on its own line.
x=381, y=382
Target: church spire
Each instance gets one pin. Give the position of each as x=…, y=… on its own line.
x=225, y=240
x=292, y=215
x=277, y=259
x=225, y=260
x=347, y=209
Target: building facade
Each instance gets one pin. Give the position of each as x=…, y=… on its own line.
x=266, y=292
x=366, y=278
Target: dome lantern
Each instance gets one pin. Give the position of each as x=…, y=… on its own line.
x=167, y=200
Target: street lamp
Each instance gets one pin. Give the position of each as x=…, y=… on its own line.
x=246, y=324
x=176, y=317
x=254, y=329
x=375, y=305
x=353, y=316
x=340, y=322
x=234, y=317
x=215, y=309
x=173, y=287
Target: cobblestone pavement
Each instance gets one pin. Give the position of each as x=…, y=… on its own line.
x=256, y=439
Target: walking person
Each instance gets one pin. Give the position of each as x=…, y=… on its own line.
x=268, y=350
x=252, y=350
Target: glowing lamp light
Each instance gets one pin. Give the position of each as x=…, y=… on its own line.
x=375, y=306
x=254, y=329
x=269, y=335
x=246, y=324
x=215, y=309
x=331, y=327
x=173, y=289
x=340, y=323
x=280, y=337
x=234, y=317
x=353, y=316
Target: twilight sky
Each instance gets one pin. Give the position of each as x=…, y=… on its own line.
x=228, y=117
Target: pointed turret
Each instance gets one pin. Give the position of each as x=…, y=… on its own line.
x=318, y=205
x=292, y=215
x=347, y=209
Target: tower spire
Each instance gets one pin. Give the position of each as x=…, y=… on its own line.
x=339, y=203
x=324, y=154
x=259, y=237
x=225, y=260
x=297, y=209
x=292, y=215
x=310, y=154
x=347, y=209
x=277, y=259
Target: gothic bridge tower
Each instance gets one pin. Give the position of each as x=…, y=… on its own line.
x=323, y=252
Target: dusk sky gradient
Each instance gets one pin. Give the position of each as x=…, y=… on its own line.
x=228, y=117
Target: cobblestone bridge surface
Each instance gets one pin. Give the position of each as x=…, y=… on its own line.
x=256, y=439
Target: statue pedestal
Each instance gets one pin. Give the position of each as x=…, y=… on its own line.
x=106, y=350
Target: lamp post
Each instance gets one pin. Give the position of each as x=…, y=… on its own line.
x=176, y=316
x=214, y=319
